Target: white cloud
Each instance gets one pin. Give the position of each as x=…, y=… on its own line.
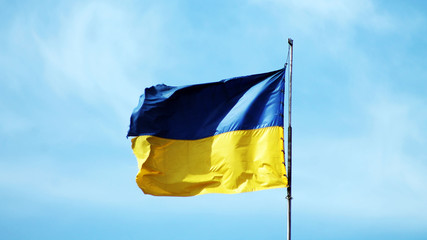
x=100, y=51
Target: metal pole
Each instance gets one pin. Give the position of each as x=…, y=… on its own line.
x=289, y=190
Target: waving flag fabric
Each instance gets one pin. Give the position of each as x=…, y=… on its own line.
x=221, y=137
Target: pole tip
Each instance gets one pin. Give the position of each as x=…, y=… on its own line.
x=290, y=41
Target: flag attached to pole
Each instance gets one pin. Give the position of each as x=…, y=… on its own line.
x=221, y=137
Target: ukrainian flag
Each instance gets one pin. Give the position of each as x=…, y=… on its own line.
x=221, y=137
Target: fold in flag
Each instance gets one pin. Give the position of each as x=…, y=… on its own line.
x=221, y=137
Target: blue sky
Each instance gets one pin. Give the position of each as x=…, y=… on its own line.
x=71, y=73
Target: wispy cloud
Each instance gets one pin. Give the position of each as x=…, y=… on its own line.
x=71, y=72
x=101, y=51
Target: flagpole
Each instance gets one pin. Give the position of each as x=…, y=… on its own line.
x=289, y=189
